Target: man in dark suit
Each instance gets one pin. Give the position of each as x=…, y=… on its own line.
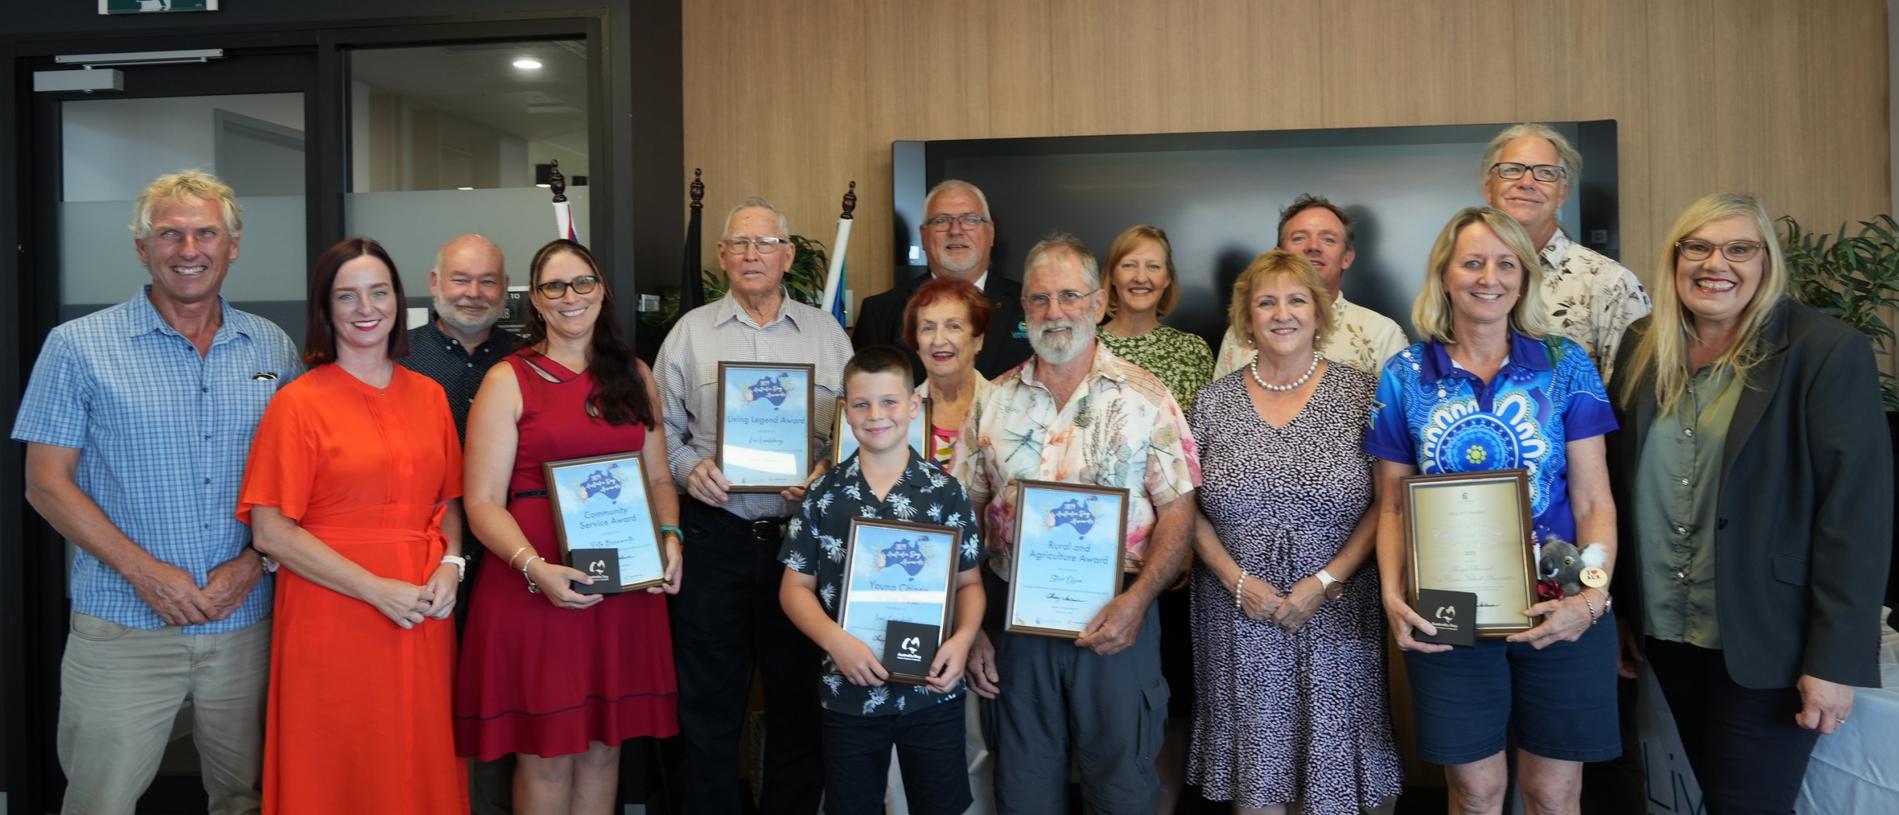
x=957, y=235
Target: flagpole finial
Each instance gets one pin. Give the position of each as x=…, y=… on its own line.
x=556, y=181
x=698, y=190
x=850, y=202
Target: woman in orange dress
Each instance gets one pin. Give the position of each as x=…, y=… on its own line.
x=353, y=486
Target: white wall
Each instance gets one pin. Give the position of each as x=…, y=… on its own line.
x=113, y=148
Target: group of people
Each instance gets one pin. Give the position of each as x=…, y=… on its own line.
x=189, y=451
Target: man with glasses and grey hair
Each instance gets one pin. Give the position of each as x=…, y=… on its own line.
x=957, y=235
x=1527, y=171
x=1077, y=413
x=726, y=617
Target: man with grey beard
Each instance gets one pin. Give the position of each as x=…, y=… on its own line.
x=456, y=349
x=1074, y=412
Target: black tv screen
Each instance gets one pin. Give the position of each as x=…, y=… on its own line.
x=1218, y=195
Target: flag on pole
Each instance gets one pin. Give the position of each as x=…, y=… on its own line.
x=692, y=288
x=833, y=300
x=563, y=212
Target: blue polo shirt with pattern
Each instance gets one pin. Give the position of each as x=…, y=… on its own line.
x=1440, y=418
x=163, y=434
x=815, y=540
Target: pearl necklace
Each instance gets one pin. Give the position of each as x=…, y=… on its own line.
x=1289, y=386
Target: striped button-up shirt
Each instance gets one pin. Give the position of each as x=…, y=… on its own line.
x=721, y=331
x=163, y=433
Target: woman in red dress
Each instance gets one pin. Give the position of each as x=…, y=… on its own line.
x=352, y=486
x=557, y=677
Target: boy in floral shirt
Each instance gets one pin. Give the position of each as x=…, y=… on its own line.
x=865, y=715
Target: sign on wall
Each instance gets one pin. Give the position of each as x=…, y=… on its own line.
x=154, y=6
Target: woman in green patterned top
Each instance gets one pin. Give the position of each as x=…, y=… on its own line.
x=1141, y=290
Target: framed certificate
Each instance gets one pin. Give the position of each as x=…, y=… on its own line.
x=765, y=412
x=1470, y=532
x=899, y=578
x=1070, y=548
x=604, y=521
x=844, y=442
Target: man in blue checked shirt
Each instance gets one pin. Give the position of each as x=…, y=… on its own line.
x=137, y=421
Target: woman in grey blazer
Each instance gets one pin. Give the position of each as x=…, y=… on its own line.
x=1753, y=474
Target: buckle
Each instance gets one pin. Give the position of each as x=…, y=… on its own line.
x=768, y=530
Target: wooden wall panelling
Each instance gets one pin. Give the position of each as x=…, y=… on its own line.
x=1397, y=63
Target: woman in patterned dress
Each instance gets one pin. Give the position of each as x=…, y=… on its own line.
x=944, y=324
x=1141, y=291
x=1491, y=389
x=1288, y=633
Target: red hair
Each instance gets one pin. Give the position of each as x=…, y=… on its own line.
x=946, y=288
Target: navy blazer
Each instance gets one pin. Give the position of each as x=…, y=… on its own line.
x=1005, y=342
x=1804, y=529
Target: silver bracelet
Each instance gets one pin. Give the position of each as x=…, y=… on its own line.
x=532, y=588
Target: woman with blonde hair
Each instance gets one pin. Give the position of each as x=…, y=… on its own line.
x=1491, y=389
x=1289, y=644
x=1141, y=290
x=1751, y=429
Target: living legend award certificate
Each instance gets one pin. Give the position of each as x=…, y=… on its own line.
x=1070, y=542
x=765, y=414
x=604, y=521
x=844, y=441
x=1470, y=532
x=896, y=573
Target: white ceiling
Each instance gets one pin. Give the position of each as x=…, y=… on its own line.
x=477, y=81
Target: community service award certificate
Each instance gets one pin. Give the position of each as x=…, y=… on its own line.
x=765, y=415
x=604, y=521
x=844, y=441
x=1070, y=542
x=899, y=577
x=1470, y=532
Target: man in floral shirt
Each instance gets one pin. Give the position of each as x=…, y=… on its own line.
x=1528, y=171
x=1076, y=413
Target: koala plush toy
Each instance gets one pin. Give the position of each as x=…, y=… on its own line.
x=1563, y=564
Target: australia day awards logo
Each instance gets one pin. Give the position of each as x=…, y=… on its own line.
x=908, y=554
x=603, y=482
x=769, y=388
x=1075, y=513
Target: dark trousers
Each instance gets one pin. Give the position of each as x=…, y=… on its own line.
x=929, y=746
x=726, y=618
x=1746, y=751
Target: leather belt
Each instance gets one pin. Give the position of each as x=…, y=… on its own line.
x=768, y=530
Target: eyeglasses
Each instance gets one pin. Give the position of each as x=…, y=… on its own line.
x=1547, y=173
x=766, y=244
x=556, y=289
x=941, y=223
x=1734, y=251
x=1040, y=300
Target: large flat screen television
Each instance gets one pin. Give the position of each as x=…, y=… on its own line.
x=1218, y=195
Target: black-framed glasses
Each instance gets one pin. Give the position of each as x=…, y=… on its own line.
x=1546, y=173
x=1734, y=251
x=941, y=223
x=1068, y=298
x=765, y=244
x=556, y=289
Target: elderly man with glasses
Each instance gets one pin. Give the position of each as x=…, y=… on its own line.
x=726, y=616
x=1527, y=171
x=1079, y=414
x=957, y=236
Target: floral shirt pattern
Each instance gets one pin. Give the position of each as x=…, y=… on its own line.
x=814, y=544
x=1182, y=361
x=1591, y=299
x=1430, y=413
x=1361, y=338
x=1120, y=428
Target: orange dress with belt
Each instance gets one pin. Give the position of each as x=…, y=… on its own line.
x=359, y=711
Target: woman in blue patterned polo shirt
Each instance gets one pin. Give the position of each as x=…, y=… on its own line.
x=1490, y=389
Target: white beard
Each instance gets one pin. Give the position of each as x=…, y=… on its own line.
x=1062, y=348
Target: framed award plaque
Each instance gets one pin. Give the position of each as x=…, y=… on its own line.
x=899, y=592
x=1470, y=532
x=1070, y=548
x=604, y=521
x=765, y=413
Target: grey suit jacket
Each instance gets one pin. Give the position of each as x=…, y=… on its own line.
x=1804, y=529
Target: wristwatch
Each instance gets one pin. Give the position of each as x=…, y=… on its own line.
x=1334, y=588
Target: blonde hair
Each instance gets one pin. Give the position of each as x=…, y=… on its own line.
x=1124, y=245
x=1265, y=268
x=186, y=185
x=1663, y=351
x=1431, y=313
